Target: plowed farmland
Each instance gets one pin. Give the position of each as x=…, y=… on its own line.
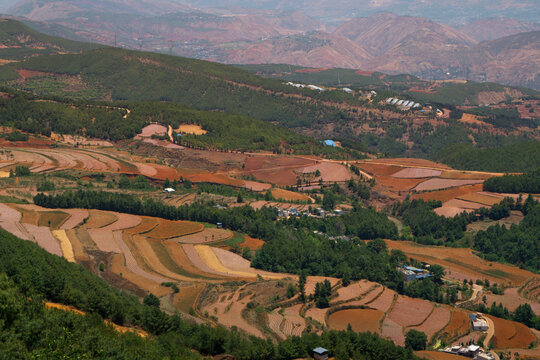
x=361, y=320
x=510, y=334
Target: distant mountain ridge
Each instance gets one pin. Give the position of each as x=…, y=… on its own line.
x=383, y=42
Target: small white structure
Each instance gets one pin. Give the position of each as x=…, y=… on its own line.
x=389, y=100
x=169, y=190
x=314, y=87
x=395, y=101
x=400, y=102
x=480, y=325
x=347, y=90
x=320, y=354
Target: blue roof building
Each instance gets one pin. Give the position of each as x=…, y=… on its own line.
x=330, y=143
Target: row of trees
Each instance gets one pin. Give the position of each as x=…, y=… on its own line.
x=526, y=183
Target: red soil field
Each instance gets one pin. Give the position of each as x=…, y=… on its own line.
x=378, y=169
x=26, y=74
x=76, y=218
x=99, y=219
x=451, y=211
x=373, y=294
x=44, y=238
x=317, y=314
x=198, y=263
x=511, y=299
x=104, y=240
x=353, y=290
x=480, y=198
x=384, y=301
x=251, y=243
x=461, y=263
x=393, y=331
x=408, y=311
x=125, y=221
x=438, y=319
x=463, y=204
x=364, y=73
x=329, y=171
x=10, y=221
x=510, y=334
x=237, y=263
x=361, y=320
x=417, y=173
x=185, y=299
x=256, y=186
x=207, y=235
x=436, y=184
x=152, y=129
x=397, y=184
x=179, y=256
x=167, y=229
x=289, y=195
x=459, y=323
x=448, y=194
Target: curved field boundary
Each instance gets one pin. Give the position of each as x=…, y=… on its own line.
x=44, y=238
x=10, y=220
x=409, y=312
x=180, y=257
x=77, y=246
x=120, y=266
x=236, y=263
x=77, y=217
x=435, y=322
x=211, y=260
x=360, y=319
x=458, y=326
x=65, y=244
x=99, y=219
x=510, y=334
x=369, y=297
x=167, y=229
x=123, y=222
x=355, y=291
x=442, y=184
x=104, y=240
x=385, y=301
x=206, y=236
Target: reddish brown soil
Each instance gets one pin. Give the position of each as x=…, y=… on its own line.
x=459, y=324
x=378, y=169
x=352, y=291
x=438, y=319
x=364, y=73
x=465, y=175
x=449, y=194
x=185, y=299
x=397, y=184
x=27, y=74
x=384, y=301
x=288, y=195
x=510, y=334
x=251, y=243
x=393, y=331
x=437, y=355
x=312, y=70
x=511, y=300
x=411, y=162
x=408, y=311
x=417, y=173
x=167, y=229
x=436, y=184
x=313, y=280
x=361, y=320
x=330, y=172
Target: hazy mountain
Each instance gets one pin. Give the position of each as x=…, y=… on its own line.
x=494, y=28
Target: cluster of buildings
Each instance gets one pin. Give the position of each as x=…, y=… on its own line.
x=302, y=86
x=318, y=212
x=412, y=273
x=472, y=351
x=403, y=104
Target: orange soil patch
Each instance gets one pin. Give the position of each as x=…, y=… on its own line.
x=311, y=281
x=462, y=204
x=465, y=175
x=393, y=331
x=437, y=184
x=384, y=301
x=153, y=129
x=437, y=355
x=121, y=329
x=361, y=320
x=317, y=314
x=409, y=312
x=461, y=263
x=104, y=240
x=98, y=219
x=448, y=194
x=480, y=198
x=330, y=172
x=510, y=334
x=26, y=74
x=451, y=211
x=438, y=319
x=280, y=177
x=207, y=235
x=287, y=195
x=288, y=324
x=76, y=218
x=417, y=173
x=472, y=119
x=511, y=299
x=378, y=169
x=78, y=248
x=215, y=179
x=124, y=221
x=256, y=186
x=251, y=243
x=167, y=229
x=353, y=290
x=185, y=299
x=191, y=129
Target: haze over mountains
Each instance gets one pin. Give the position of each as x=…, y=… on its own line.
x=432, y=40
